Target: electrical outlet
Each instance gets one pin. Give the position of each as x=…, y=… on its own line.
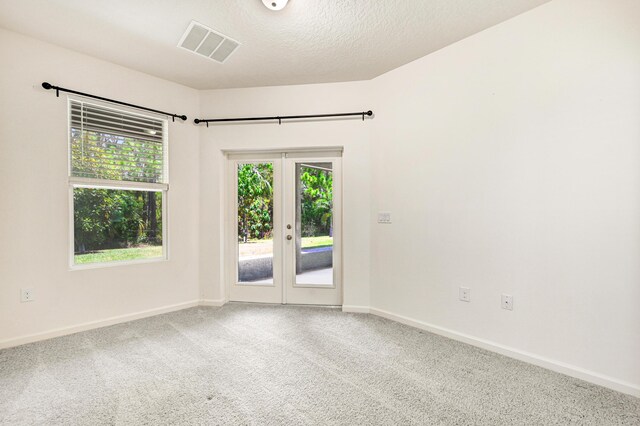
x=384, y=217
x=465, y=294
x=26, y=295
x=507, y=302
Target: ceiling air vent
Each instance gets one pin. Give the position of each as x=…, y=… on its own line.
x=206, y=42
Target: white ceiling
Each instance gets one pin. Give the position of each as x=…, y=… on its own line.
x=310, y=41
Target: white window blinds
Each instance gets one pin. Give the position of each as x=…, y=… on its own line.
x=116, y=145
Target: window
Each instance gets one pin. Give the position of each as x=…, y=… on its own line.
x=118, y=184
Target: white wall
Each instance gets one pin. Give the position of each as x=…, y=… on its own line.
x=34, y=202
x=353, y=135
x=511, y=164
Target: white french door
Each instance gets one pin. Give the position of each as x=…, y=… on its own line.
x=284, y=217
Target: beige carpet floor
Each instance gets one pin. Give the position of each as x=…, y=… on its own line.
x=286, y=365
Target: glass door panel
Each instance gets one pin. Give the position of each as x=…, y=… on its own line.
x=255, y=192
x=314, y=223
x=312, y=206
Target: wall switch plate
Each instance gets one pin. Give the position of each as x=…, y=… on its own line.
x=465, y=294
x=507, y=302
x=26, y=295
x=384, y=217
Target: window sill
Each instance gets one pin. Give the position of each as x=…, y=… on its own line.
x=84, y=266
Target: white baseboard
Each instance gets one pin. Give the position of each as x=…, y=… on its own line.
x=213, y=302
x=63, y=331
x=355, y=309
x=550, y=364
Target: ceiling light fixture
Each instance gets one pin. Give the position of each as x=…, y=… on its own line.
x=275, y=4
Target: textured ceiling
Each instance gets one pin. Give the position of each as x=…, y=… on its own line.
x=310, y=41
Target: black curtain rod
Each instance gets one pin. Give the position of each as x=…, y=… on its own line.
x=283, y=117
x=58, y=89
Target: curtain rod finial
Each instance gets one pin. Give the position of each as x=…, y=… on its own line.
x=47, y=85
x=196, y=121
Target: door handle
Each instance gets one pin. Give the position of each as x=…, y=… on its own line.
x=289, y=237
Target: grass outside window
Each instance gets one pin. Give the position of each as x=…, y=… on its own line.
x=119, y=255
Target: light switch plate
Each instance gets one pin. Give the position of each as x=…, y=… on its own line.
x=384, y=217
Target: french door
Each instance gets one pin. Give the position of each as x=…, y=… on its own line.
x=284, y=227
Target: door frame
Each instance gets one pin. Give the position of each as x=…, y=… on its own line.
x=281, y=281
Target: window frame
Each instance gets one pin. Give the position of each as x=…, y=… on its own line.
x=92, y=183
